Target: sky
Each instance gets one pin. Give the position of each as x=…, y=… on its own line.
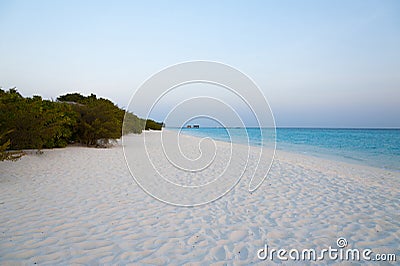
x=318, y=63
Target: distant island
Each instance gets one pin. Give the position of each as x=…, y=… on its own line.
x=35, y=123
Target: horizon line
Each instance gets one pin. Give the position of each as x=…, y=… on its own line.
x=294, y=127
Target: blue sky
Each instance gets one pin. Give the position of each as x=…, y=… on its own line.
x=319, y=63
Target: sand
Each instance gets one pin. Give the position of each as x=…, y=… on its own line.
x=81, y=206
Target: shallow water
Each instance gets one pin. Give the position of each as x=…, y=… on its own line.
x=373, y=147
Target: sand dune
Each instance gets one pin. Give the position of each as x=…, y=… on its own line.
x=81, y=206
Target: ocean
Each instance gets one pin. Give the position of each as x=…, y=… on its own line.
x=373, y=147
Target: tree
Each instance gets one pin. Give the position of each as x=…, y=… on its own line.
x=132, y=124
x=35, y=123
x=8, y=155
x=151, y=124
x=97, y=118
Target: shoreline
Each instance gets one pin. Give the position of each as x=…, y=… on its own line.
x=320, y=156
x=315, y=151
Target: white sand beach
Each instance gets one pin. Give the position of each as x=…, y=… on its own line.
x=80, y=205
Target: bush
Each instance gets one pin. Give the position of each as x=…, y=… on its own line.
x=153, y=125
x=96, y=118
x=34, y=123
x=8, y=155
x=132, y=124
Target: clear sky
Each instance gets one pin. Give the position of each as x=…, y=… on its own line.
x=319, y=63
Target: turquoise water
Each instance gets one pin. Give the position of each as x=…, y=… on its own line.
x=373, y=147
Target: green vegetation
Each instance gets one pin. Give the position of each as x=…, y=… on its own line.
x=8, y=155
x=95, y=118
x=150, y=124
x=34, y=123
x=133, y=124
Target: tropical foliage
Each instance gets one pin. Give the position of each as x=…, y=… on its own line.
x=150, y=124
x=34, y=123
x=96, y=118
x=8, y=155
